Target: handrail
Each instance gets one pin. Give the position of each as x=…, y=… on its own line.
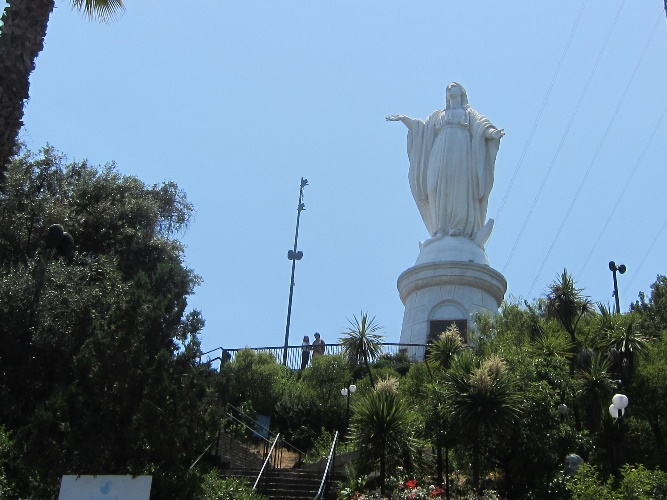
x=414, y=351
x=302, y=454
x=268, y=431
x=332, y=455
x=235, y=349
x=246, y=426
x=203, y=453
x=266, y=461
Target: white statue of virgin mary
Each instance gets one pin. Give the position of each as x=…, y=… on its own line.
x=452, y=158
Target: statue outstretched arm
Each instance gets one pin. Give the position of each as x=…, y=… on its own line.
x=407, y=121
x=494, y=133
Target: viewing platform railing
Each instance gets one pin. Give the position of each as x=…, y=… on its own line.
x=414, y=352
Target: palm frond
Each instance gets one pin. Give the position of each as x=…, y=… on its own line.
x=104, y=10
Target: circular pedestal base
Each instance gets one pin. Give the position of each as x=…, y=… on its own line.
x=447, y=291
x=451, y=249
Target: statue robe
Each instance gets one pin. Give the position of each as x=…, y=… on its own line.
x=452, y=160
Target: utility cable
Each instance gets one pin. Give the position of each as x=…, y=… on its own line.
x=539, y=113
x=648, y=252
x=595, y=155
x=620, y=197
x=564, y=136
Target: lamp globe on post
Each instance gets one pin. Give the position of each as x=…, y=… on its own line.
x=617, y=408
x=562, y=410
x=618, y=404
x=347, y=391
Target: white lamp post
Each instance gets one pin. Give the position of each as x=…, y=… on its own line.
x=617, y=408
x=618, y=404
x=347, y=391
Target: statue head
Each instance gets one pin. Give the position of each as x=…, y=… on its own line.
x=457, y=97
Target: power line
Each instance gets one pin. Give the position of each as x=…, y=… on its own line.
x=597, y=152
x=620, y=197
x=564, y=136
x=648, y=252
x=539, y=113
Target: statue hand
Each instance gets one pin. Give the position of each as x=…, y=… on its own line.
x=497, y=134
x=394, y=118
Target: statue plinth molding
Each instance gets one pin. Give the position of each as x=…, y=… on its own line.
x=447, y=291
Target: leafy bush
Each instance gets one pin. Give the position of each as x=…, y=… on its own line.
x=231, y=488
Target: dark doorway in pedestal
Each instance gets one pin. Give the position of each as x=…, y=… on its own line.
x=437, y=326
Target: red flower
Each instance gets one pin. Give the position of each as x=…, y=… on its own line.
x=411, y=484
x=436, y=492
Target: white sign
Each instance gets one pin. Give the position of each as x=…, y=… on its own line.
x=105, y=488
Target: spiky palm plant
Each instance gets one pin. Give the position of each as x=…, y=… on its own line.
x=481, y=399
x=594, y=388
x=443, y=349
x=361, y=344
x=567, y=304
x=24, y=25
x=381, y=427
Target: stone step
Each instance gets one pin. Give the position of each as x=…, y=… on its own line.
x=292, y=484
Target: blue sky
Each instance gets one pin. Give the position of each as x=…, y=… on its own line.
x=236, y=101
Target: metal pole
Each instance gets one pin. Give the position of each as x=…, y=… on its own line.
x=621, y=269
x=293, y=255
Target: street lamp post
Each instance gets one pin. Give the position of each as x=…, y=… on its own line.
x=347, y=392
x=621, y=269
x=293, y=255
x=617, y=409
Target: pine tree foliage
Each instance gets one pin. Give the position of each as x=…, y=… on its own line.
x=100, y=369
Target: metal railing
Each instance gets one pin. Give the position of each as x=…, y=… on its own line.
x=414, y=352
x=266, y=461
x=324, y=485
x=253, y=431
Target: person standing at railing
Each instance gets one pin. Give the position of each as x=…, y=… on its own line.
x=305, y=352
x=318, y=345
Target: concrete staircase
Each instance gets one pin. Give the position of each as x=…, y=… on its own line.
x=290, y=484
x=233, y=453
x=283, y=484
x=241, y=459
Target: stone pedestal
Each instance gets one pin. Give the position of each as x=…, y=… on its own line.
x=450, y=281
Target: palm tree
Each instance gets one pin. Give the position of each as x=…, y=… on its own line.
x=443, y=349
x=622, y=337
x=381, y=429
x=24, y=25
x=595, y=388
x=361, y=344
x=442, y=352
x=481, y=399
x=567, y=304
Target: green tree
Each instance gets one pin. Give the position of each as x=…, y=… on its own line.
x=361, y=344
x=258, y=381
x=649, y=401
x=480, y=400
x=99, y=360
x=623, y=340
x=447, y=346
x=567, y=304
x=381, y=427
x=652, y=312
x=594, y=389
x=24, y=24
